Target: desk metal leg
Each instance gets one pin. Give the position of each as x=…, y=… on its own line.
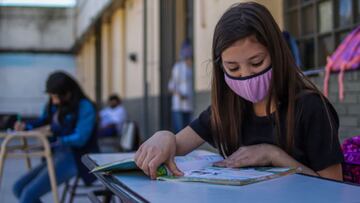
x=27, y=159
x=107, y=194
x=3, y=156
x=46, y=153
x=50, y=165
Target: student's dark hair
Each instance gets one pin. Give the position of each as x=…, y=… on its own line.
x=69, y=92
x=228, y=109
x=115, y=97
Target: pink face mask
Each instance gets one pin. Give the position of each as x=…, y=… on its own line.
x=253, y=88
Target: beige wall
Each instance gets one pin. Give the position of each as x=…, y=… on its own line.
x=134, y=44
x=85, y=70
x=122, y=34
x=207, y=13
x=91, y=68
x=180, y=26
x=106, y=60
x=118, y=52
x=134, y=87
x=276, y=9
x=153, y=47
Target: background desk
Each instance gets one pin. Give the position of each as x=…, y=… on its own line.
x=136, y=187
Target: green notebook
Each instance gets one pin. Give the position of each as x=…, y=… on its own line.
x=199, y=168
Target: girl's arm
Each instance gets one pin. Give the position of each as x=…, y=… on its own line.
x=332, y=172
x=39, y=122
x=84, y=126
x=266, y=154
x=282, y=159
x=187, y=140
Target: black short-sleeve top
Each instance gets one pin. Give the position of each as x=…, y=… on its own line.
x=315, y=145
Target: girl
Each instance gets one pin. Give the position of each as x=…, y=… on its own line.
x=263, y=111
x=72, y=118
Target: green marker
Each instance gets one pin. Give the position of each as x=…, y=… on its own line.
x=18, y=118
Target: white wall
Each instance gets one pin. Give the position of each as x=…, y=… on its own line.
x=36, y=28
x=23, y=77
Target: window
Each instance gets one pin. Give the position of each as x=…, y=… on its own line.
x=319, y=26
x=325, y=13
x=357, y=11
x=345, y=13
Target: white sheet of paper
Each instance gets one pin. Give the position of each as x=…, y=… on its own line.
x=187, y=163
x=226, y=173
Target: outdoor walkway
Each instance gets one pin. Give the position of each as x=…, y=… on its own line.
x=14, y=168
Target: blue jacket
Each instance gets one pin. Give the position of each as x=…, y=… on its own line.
x=78, y=131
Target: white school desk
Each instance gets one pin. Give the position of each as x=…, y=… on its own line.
x=134, y=186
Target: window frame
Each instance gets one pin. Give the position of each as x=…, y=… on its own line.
x=334, y=33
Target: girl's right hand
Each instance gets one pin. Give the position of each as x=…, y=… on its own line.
x=19, y=126
x=157, y=150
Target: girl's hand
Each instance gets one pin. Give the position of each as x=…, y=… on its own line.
x=159, y=149
x=254, y=155
x=19, y=126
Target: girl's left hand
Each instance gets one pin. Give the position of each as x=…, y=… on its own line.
x=254, y=155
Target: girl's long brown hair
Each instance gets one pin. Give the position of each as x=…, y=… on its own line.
x=228, y=109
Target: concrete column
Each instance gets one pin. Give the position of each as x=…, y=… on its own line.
x=85, y=66
x=91, y=70
x=106, y=57
x=180, y=25
x=118, y=52
x=153, y=48
x=79, y=66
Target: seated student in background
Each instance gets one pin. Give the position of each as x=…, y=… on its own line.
x=72, y=117
x=112, y=117
x=263, y=111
